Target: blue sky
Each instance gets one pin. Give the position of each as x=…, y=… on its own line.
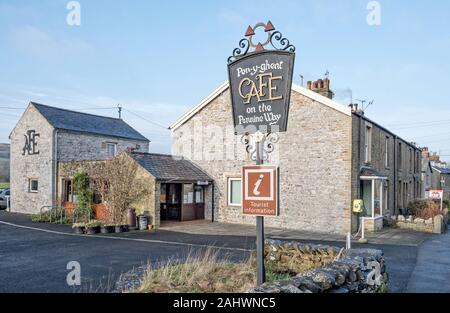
x=159, y=58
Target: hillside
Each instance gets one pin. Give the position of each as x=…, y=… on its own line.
x=4, y=162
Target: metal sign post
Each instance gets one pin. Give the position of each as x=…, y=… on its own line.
x=260, y=87
x=260, y=268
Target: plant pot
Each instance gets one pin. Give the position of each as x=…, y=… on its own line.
x=78, y=230
x=92, y=230
x=107, y=229
x=150, y=227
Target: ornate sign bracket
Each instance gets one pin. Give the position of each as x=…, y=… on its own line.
x=274, y=38
x=267, y=144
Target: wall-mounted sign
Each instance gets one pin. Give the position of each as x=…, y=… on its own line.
x=436, y=194
x=358, y=205
x=30, y=146
x=260, y=190
x=260, y=83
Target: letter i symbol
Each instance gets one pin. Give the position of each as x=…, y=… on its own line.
x=256, y=192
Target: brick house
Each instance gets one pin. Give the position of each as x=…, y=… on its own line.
x=330, y=155
x=45, y=136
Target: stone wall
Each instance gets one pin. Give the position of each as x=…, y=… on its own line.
x=84, y=147
x=314, y=156
x=38, y=166
x=436, y=225
x=336, y=271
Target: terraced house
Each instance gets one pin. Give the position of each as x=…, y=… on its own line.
x=330, y=156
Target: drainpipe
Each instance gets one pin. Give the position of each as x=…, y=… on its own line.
x=55, y=169
x=395, y=175
x=212, y=202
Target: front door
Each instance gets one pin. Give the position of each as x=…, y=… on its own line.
x=170, y=202
x=193, y=207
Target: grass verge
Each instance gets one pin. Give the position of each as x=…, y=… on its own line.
x=203, y=272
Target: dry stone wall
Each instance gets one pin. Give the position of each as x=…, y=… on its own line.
x=336, y=271
x=436, y=225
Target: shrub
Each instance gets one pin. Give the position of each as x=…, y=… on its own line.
x=94, y=224
x=82, y=214
x=81, y=182
x=75, y=225
x=446, y=204
x=418, y=205
x=430, y=211
x=54, y=216
x=40, y=218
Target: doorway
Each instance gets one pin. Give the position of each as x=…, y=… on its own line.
x=170, y=202
x=182, y=202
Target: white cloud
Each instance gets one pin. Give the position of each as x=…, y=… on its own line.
x=39, y=43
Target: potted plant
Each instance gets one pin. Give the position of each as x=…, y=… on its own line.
x=93, y=227
x=107, y=229
x=118, y=228
x=79, y=228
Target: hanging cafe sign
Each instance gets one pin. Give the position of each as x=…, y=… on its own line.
x=260, y=86
x=261, y=80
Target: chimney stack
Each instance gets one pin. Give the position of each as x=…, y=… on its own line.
x=425, y=153
x=322, y=87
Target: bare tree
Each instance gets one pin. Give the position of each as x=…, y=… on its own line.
x=119, y=183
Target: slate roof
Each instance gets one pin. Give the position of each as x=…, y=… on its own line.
x=88, y=123
x=170, y=168
x=442, y=170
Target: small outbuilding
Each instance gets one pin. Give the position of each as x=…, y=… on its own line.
x=177, y=190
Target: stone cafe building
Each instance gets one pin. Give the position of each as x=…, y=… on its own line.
x=330, y=155
x=46, y=139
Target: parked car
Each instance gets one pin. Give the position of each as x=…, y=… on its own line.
x=3, y=199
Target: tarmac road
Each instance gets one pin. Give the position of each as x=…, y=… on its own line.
x=35, y=260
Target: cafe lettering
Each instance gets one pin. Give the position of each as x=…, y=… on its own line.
x=260, y=88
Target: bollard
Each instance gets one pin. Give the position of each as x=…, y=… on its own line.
x=8, y=206
x=362, y=239
x=348, y=244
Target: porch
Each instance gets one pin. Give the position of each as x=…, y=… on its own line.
x=373, y=192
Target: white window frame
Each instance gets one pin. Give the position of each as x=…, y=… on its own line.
x=386, y=152
x=368, y=143
x=229, y=180
x=115, y=148
x=30, y=184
